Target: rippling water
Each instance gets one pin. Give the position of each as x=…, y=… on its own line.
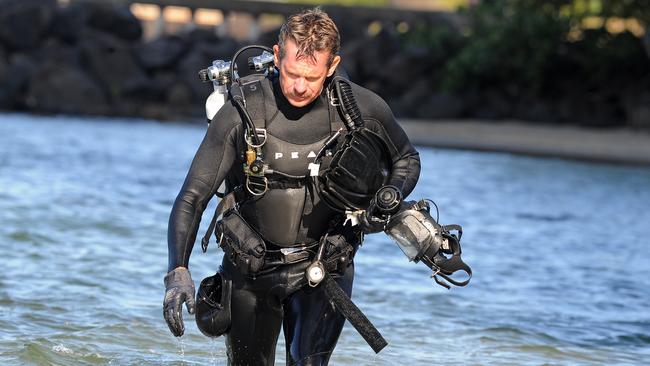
x=559, y=250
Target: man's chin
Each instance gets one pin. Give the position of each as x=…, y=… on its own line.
x=299, y=102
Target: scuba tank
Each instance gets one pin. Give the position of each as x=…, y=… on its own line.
x=228, y=87
x=222, y=74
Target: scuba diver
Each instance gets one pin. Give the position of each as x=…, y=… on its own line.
x=300, y=194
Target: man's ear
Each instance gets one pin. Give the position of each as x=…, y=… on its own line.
x=276, y=55
x=335, y=63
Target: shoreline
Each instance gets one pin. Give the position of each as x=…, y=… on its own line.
x=623, y=146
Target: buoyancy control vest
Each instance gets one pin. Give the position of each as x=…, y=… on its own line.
x=287, y=212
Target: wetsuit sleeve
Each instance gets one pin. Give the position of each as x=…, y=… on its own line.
x=211, y=164
x=406, y=160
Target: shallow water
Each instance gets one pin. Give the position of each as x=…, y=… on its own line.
x=559, y=251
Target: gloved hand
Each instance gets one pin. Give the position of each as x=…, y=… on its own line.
x=179, y=288
x=370, y=223
x=386, y=202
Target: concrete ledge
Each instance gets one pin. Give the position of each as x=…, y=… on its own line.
x=604, y=145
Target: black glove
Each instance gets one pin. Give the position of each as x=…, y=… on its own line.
x=386, y=202
x=370, y=223
x=179, y=288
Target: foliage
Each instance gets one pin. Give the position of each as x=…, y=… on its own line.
x=509, y=42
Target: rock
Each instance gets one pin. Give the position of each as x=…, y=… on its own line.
x=23, y=22
x=116, y=20
x=412, y=98
x=4, y=68
x=179, y=95
x=490, y=104
x=154, y=91
x=646, y=42
x=65, y=89
x=188, y=70
x=268, y=38
x=441, y=105
x=637, y=106
x=110, y=60
x=69, y=22
x=56, y=52
x=532, y=109
x=401, y=70
x=15, y=80
x=638, y=114
x=196, y=35
x=163, y=52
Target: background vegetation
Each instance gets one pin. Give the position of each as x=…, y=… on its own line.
x=561, y=60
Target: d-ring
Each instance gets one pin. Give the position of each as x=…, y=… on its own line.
x=266, y=186
x=258, y=131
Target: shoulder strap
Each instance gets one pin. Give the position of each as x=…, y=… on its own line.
x=255, y=100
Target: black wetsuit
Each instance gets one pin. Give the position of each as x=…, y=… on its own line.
x=286, y=216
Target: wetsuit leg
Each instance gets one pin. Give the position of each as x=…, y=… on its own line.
x=256, y=320
x=311, y=325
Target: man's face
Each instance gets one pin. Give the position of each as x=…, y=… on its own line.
x=302, y=79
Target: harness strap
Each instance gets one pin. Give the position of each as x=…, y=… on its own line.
x=227, y=203
x=255, y=101
x=286, y=184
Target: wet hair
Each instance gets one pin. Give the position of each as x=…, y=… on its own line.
x=313, y=31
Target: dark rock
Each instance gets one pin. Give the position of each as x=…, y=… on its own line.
x=639, y=114
x=154, y=91
x=15, y=80
x=637, y=108
x=163, y=52
x=196, y=35
x=372, y=55
x=188, y=70
x=65, y=89
x=646, y=42
x=412, y=98
x=441, y=105
x=223, y=49
x=532, y=109
x=592, y=109
x=110, y=60
x=403, y=69
x=56, y=52
x=491, y=104
x=179, y=95
x=4, y=68
x=23, y=22
x=116, y=20
x=268, y=38
x=69, y=21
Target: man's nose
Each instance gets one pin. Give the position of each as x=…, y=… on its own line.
x=300, y=86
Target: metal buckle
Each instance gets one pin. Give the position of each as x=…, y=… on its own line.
x=257, y=131
x=334, y=101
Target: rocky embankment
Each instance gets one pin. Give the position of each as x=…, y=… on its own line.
x=92, y=59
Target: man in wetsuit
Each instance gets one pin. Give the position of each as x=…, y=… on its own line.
x=288, y=216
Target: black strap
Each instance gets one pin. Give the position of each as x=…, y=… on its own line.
x=286, y=183
x=352, y=313
x=448, y=266
x=227, y=203
x=255, y=101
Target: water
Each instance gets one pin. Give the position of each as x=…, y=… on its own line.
x=559, y=251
